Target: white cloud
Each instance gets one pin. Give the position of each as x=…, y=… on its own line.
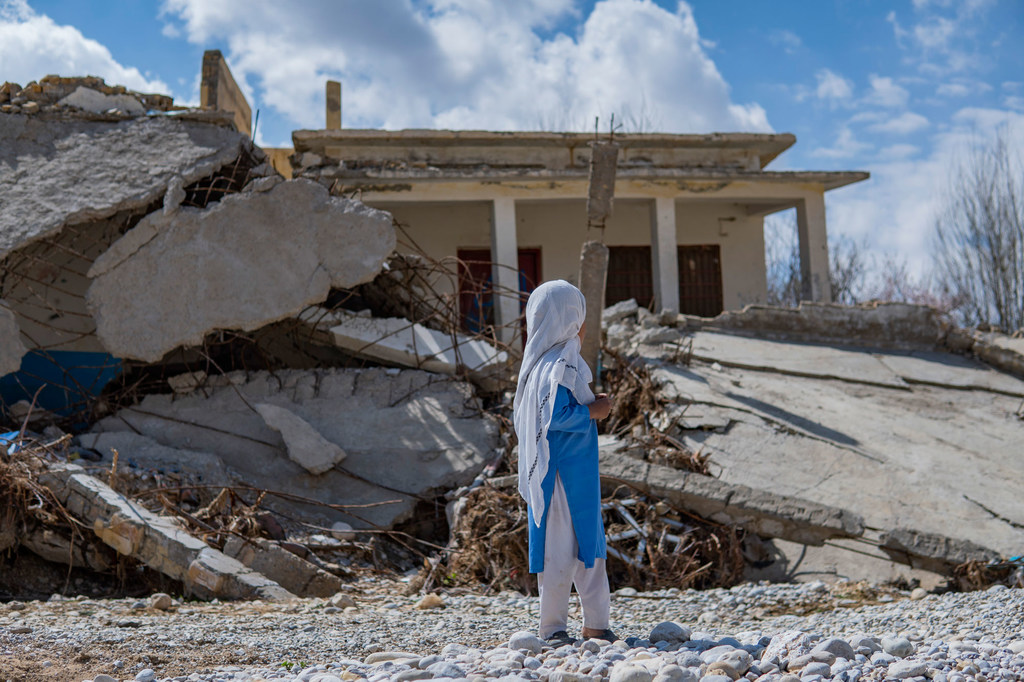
x=898, y=151
x=832, y=86
x=905, y=123
x=787, y=40
x=934, y=33
x=846, y=146
x=32, y=46
x=473, y=63
x=885, y=92
x=953, y=90
x=895, y=209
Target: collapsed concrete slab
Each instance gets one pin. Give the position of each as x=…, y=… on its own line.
x=249, y=260
x=879, y=325
x=306, y=447
x=292, y=572
x=11, y=347
x=157, y=541
x=1002, y=351
x=409, y=435
x=401, y=342
x=66, y=170
x=764, y=513
x=933, y=552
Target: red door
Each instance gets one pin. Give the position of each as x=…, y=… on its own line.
x=475, y=300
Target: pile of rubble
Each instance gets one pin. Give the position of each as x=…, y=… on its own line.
x=234, y=380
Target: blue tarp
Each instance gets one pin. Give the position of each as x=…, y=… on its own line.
x=69, y=379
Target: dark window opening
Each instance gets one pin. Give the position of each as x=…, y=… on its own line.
x=700, y=277
x=476, y=304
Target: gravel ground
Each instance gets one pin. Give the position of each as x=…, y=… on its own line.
x=775, y=632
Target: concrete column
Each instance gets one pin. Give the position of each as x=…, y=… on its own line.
x=333, y=105
x=505, y=264
x=810, y=222
x=664, y=255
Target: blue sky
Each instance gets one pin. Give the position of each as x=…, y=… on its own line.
x=896, y=88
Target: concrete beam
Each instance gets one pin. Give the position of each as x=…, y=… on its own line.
x=810, y=222
x=333, y=113
x=665, y=255
x=157, y=541
x=764, y=513
x=505, y=268
x=218, y=90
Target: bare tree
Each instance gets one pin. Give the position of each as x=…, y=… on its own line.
x=980, y=236
x=848, y=265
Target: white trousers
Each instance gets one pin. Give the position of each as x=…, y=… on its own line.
x=562, y=568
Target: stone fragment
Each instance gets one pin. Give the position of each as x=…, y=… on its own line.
x=342, y=531
x=816, y=668
x=11, y=347
x=172, y=279
x=901, y=670
x=526, y=640
x=103, y=678
x=918, y=593
x=897, y=646
x=723, y=668
x=382, y=656
x=430, y=601
x=670, y=632
x=342, y=601
x=98, y=103
x=306, y=447
x=635, y=673
x=161, y=601
x=619, y=311
x=837, y=647
x=675, y=673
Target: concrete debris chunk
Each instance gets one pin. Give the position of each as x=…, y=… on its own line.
x=247, y=261
x=292, y=572
x=157, y=541
x=57, y=172
x=11, y=347
x=96, y=102
x=408, y=434
x=401, y=342
x=931, y=551
x=764, y=513
x=306, y=447
x=878, y=325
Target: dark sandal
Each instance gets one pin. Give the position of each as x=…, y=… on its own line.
x=606, y=635
x=560, y=638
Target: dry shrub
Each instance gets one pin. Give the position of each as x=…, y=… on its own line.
x=698, y=555
x=490, y=540
x=976, y=575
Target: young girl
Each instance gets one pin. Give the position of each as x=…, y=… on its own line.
x=554, y=414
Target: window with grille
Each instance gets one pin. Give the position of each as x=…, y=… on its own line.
x=700, y=277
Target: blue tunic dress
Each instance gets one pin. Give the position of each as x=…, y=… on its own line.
x=572, y=438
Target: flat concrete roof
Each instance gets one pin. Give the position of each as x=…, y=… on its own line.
x=356, y=176
x=660, y=149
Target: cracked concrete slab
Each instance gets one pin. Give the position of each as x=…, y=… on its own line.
x=409, y=435
x=797, y=359
x=67, y=171
x=901, y=457
x=244, y=262
x=401, y=342
x=951, y=371
x=765, y=513
x=306, y=447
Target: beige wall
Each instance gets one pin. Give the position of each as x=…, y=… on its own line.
x=559, y=228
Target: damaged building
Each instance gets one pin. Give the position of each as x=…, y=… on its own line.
x=290, y=375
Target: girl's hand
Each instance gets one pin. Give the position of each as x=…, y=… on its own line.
x=601, y=407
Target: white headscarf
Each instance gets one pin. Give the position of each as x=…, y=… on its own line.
x=554, y=314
